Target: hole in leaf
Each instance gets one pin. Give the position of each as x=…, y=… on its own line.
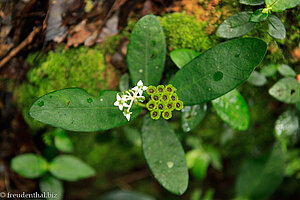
x=218, y=76
x=292, y=92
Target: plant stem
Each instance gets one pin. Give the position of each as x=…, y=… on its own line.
x=141, y=104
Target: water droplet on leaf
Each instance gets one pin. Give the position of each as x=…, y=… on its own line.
x=218, y=76
x=170, y=164
x=89, y=100
x=41, y=103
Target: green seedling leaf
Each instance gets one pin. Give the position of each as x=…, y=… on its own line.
x=29, y=165
x=191, y=116
x=286, y=90
x=281, y=5
x=233, y=109
x=286, y=70
x=258, y=178
x=257, y=79
x=236, y=25
x=269, y=70
x=218, y=70
x=252, y=2
x=164, y=155
x=276, y=27
x=287, y=124
x=146, y=51
x=124, y=82
x=198, y=161
x=52, y=185
x=125, y=195
x=62, y=142
x=70, y=168
x=258, y=16
x=183, y=56
x=75, y=110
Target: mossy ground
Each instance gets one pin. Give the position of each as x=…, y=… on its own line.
x=79, y=67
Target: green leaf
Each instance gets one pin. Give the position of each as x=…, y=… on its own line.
x=286, y=70
x=276, y=27
x=133, y=135
x=281, y=5
x=146, y=51
x=29, y=165
x=258, y=178
x=198, y=161
x=287, y=124
x=70, y=168
x=191, y=116
x=52, y=185
x=164, y=155
x=183, y=56
x=258, y=16
x=269, y=70
x=257, y=79
x=252, y=2
x=124, y=82
x=286, y=90
x=62, y=142
x=236, y=26
x=233, y=109
x=218, y=70
x=75, y=110
x=125, y=195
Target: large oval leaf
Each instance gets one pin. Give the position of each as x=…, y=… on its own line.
x=75, y=110
x=276, y=27
x=164, y=155
x=146, y=51
x=252, y=2
x=70, y=168
x=286, y=90
x=29, y=165
x=259, y=177
x=281, y=5
x=236, y=26
x=191, y=116
x=53, y=185
x=218, y=70
x=233, y=109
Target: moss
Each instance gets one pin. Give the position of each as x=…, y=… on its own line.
x=79, y=67
x=183, y=31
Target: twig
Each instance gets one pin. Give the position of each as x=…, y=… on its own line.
x=23, y=44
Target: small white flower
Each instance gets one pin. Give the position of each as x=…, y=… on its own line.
x=140, y=88
x=127, y=114
x=121, y=102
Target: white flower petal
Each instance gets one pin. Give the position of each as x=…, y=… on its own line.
x=140, y=83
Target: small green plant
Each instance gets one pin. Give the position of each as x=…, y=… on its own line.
x=244, y=22
x=206, y=77
x=61, y=167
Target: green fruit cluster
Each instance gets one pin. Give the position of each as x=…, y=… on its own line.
x=163, y=100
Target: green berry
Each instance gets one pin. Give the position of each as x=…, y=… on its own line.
x=155, y=114
x=161, y=105
x=165, y=97
x=170, y=88
x=178, y=105
x=173, y=97
x=151, y=105
x=170, y=105
x=155, y=96
x=167, y=114
x=160, y=89
x=151, y=90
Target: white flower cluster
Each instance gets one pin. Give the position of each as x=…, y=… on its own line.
x=133, y=95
